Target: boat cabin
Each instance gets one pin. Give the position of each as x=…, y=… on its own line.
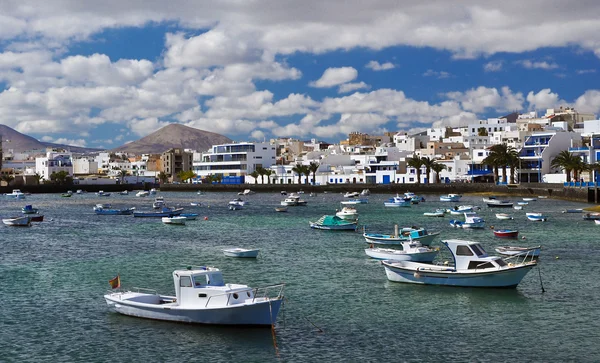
x=205, y=286
x=470, y=255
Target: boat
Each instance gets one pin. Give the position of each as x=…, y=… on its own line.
x=347, y=213
x=352, y=195
x=280, y=209
x=235, y=206
x=420, y=235
x=113, y=212
x=158, y=203
x=293, y=200
x=68, y=194
x=538, y=217
x=103, y=205
x=460, y=209
x=542, y=197
x=334, y=223
x=591, y=216
x=518, y=207
x=124, y=192
x=28, y=209
x=16, y=193
x=414, y=199
x=437, y=213
x=238, y=201
x=499, y=203
x=397, y=201
x=519, y=251
x=472, y=220
x=506, y=233
x=22, y=221
x=246, y=192
x=531, y=199
x=202, y=297
x=164, y=212
x=195, y=204
x=283, y=192
x=411, y=251
x=503, y=216
x=100, y=193
x=577, y=210
x=365, y=193
x=312, y=194
x=142, y=193
x=175, y=220
x=152, y=191
x=597, y=221
x=355, y=201
x=189, y=216
x=37, y=217
x=450, y=198
x=472, y=267
x=200, y=192
x=79, y=191
x=241, y=253
x=522, y=203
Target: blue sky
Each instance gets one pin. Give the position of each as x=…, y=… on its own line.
x=100, y=75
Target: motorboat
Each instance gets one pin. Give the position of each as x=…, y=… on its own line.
x=538, y=217
x=202, y=297
x=246, y=192
x=152, y=191
x=472, y=220
x=195, y=204
x=164, y=212
x=283, y=192
x=241, y=253
x=103, y=205
x=542, y=197
x=37, y=217
x=16, y=193
x=397, y=201
x=472, y=267
x=235, y=206
x=450, y=198
x=200, y=192
x=591, y=216
x=293, y=200
x=503, y=216
x=175, y=220
x=519, y=251
x=597, y=221
x=498, y=203
x=351, y=195
x=414, y=199
x=411, y=251
x=113, y=212
x=437, y=213
x=530, y=199
x=355, y=201
x=79, y=191
x=460, y=209
x=347, y=213
x=518, y=207
x=100, y=193
x=365, y=193
x=281, y=209
x=522, y=203
x=238, y=201
x=420, y=235
x=334, y=223
x=124, y=192
x=22, y=221
x=28, y=209
x=576, y=210
x=142, y=193
x=67, y=195
x=506, y=233
x=158, y=203
x=189, y=216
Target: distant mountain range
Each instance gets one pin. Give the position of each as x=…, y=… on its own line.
x=174, y=135
x=14, y=140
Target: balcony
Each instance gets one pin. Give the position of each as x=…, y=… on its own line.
x=579, y=148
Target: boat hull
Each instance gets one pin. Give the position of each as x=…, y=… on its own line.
x=391, y=240
x=387, y=254
x=241, y=254
x=259, y=313
x=342, y=227
x=519, y=251
x=500, y=205
x=506, y=234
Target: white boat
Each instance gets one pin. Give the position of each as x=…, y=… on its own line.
x=503, y=216
x=235, y=206
x=519, y=251
x=365, y=193
x=246, y=192
x=473, y=267
x=597, y=221
x=347, y=213
x=542, y=197
x=420, y=235
x=495, y=202
x=158, y=203
x=202, y=297
x=460, y=209
x=518, y=207
x=414, y=199
x=293, y=200
x=240, y=252
x=195, y=204
x=411, y=251
x=238, y=201
x=450, y=198
x=101, y=193
x=178, y=220
x=437, y=213
x=522, y=203
x=124, y=192
x=23, y=221
x=352, y=195
x=576, y=210
x=530, y=199
x=538, y=217
x=355, y=201
x=472, y=220
x=79, y=191
x=397, y=201
x=152, y=191
x=280, y=209
x=142, y=193
x=16, y=193
x=189, y=216
x=312, y=194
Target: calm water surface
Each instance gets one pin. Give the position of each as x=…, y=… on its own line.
x=339, y=304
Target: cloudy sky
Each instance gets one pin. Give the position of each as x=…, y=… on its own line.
x=99, y=74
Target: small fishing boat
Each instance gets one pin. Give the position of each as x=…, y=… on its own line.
x=281, y=209
x=414, y=199
x=80, y=191
x=518, y=207
x=103, y=205
x=67, y=195
x=420, y=235
x=28, y=209
x=246, y=192
x=113, y=212
x=347, y=213
x=238, y=201
x=293, y=200
x=142, y=193
x=152, y=191
x=283, y=192
x=522, y=203
x=436, y=213
x=235, y=206
x=37, y=218
x=503, y=216
x=460, y=209
x=23, y=221
x=542, y=197
x=202, y=297
x=506, y=233
x=450, y=198
x=200, y=192
x=397, y=201
x=531, y=199
x=351, y=195
x=164, y=212
x=241, y=253
x=365, y=193
x=158, y=203
x=591, y=216
x=472, y=267
x=411, y=251
x=538, y=217
x=100, y=193
x=597, y=221
x=472, y=221
x=355, y=201
x=175, y=220
x=16, y=193
x=124, y=192
x=519, y=251
x=577, y=210
x=312, y=194
x=195, y=204
x=334, y=223
x=189, y=216
x=497, y=203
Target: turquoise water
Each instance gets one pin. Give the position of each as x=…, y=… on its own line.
x=339, y=305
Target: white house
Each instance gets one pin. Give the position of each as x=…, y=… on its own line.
x=235, y=159
x=54, y=162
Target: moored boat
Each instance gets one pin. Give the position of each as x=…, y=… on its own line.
x=473, y=267
x=164, y=212
x=472, y=220
x=506, y=233
x=175, y=220
x=530, y=199
x=202, y=297
x=281, y=209
x=498, y=203
x=400, y=236
x=113, y=212
x=241, y=253
x=591, y=216
x=518, y=207
x=576, y=210
x=519, y=251
x=100, y=193
x=189, y=216
x=522, y=203
x=436, y=213
x=460, y=209
x=397, y=201
x=503, y=216
x=355, y=201
x=334, y=223
x=22, y=221
x=158, y=203
x=347, y=213
x=538, y=217
x=293, y=200
x=28, y=209
x=351, y=195
x=365, y=193
x=142, y=193
x=37, y=217
x=16, y=193
x=411, y=251
x=450, y=198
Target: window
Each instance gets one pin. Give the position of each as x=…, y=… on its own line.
x=478, y=250
x=463, y=251
x=501, y=262
x=185, y=281
x=479, y=154
x=264, y=148
x=479, y=264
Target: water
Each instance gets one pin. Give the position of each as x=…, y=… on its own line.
x=339, y=305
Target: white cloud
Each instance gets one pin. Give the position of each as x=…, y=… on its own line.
x=588, y=102
x=257, y=135
x=436, y=74
x=543, y=99
x=376, y=66
x=64, y=141
x=349, y=87
x=335, y=76
x=481, y=98
x=493, y=66
x=586, y=71
x=528, y=64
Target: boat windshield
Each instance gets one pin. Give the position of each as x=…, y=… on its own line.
x=478, y=250
x=215, y=279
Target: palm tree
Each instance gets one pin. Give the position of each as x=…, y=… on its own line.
x=313, y=167
x=578, y=167
x=428, y=163
x=7, y=178
x=514, y=162
x=268, y=173
x=255, y=175
x=415, y=162
x=261, y=171
x=306, y=171
x=163, y=177
x=437, y=167
x=38, y=178
x=502, y=155
x=565, y=161
x=298, y=170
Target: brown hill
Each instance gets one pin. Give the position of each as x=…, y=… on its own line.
x=174, y=135
x=14, y=140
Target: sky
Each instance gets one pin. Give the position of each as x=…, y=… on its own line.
x=100, y=74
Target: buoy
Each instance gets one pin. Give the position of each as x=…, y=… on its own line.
x=206, y=218
x=556, y=257
x=523, y=237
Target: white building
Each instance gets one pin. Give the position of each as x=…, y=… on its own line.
x=236, y=159
x=54, y=162
x=539, y=150
x=82, y=166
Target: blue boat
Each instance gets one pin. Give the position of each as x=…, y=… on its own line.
x=450, y=198
x=420, y=235
x=113, y=212
x=164, y=212
x=28, y=209
x=189, y=216
x=334, y=223
x=471, y=221
x=398, y=201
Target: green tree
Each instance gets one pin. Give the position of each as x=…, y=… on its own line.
x=415, y=162
x=306, y=171
x=493, y=161
x=7, y=178
x=61, y=178
x=437, y=167
x=255, y=175
x=312, y=168
x=38, y=178
x=566, y=161
x=299, y=171
x=428, y=163
x=163, y=177
x=268, y=173
x=261, y=171
x=482, y=131
x=503, y=156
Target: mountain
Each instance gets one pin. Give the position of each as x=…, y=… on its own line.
x=174, y=135
x=12, y=139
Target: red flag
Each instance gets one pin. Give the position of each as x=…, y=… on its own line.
x=115, y=283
